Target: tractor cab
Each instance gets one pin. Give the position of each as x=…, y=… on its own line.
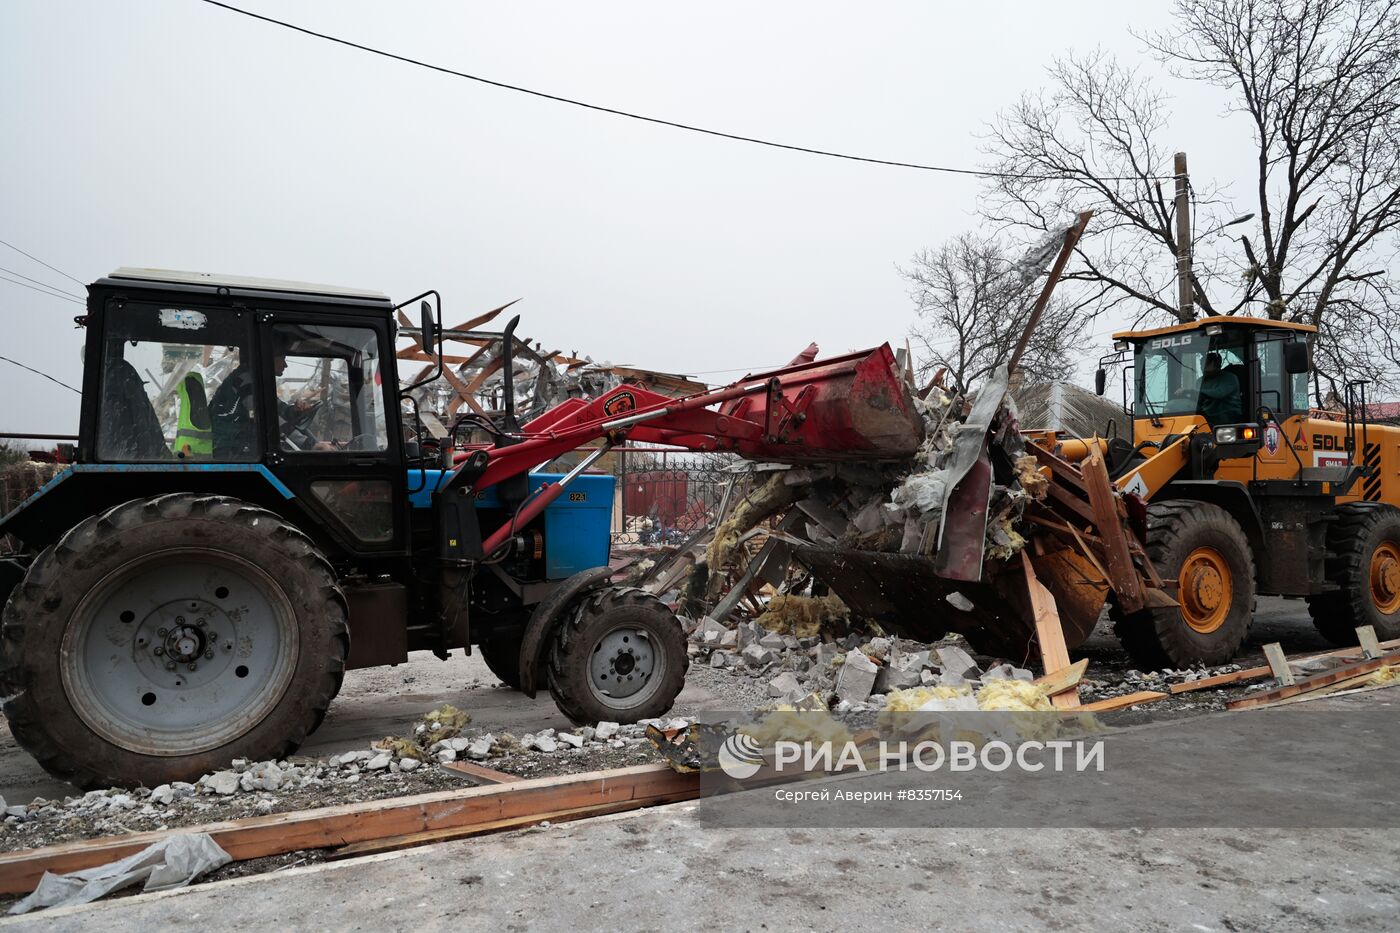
x=282, y=393
x=1229, y=386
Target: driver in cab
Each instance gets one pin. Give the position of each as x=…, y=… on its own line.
x=235, y=426
x=1221, y=397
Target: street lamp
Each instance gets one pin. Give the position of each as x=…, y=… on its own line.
x=1242, y=219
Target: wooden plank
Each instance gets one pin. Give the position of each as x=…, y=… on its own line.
x=1129, y=699
x=330, y=827
x=1366, y=638
x=394, y=843
x=1049, y=635
x=1221, y=680
x=1278, y=663
x=1327, y=679
x=481, y=772
x=1065, y=679
x=1254, y=673
x=1122, y=575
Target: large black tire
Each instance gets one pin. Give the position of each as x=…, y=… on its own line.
x=1216, y=590
x=289, y=657
x=1363, y=560
x=607, y=615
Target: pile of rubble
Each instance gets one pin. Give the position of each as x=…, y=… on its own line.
x=389, y=767
x=851, y=674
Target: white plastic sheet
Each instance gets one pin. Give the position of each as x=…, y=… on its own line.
x=171, y=863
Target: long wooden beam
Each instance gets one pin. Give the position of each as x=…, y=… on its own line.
x=328, y=827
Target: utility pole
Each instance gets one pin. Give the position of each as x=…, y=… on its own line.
x=1186, y=301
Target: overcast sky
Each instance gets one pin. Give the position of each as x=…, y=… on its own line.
x=174, y=134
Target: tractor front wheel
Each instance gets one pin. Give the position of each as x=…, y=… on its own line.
x=1363, y=561
x=1203, y=550
x=619, y=656
x=159, y=640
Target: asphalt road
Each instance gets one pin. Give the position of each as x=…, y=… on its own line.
x=665, y=869
x=386, y=701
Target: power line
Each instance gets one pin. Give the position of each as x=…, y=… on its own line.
x=43, y=291
x=38, y=373
x=636, y=116
x=42, y=263
x=54, y=288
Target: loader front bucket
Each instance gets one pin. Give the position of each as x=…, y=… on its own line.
x=854, y=407
x=906, y=597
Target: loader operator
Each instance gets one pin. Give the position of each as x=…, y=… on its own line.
x=235, y=427
x=1221, y=398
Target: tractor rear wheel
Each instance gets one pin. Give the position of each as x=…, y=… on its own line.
x=619, y=656
x=164, y=637
x=1204, y=550
x=1363, y=560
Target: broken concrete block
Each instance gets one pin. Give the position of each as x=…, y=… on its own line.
x=783, y=684
x=571, y=740
x=708, y=632
x=957, y=661
x=721, y=659
x=897, y=678
x=480, y=747
x=163, y=794
x=265, y=775
x=445, y=755
x=729, y=639
x=928, y=677
x=857, y=678
x=878, y=648
x=773, y=641
x=379, y=762
x=606, y=730
x=1007, y=672
x=409, y=764
x=959, y=602
x=825, y=653
x=221, y=782
x=756, y=655
x=545, y=743
x=747, y=633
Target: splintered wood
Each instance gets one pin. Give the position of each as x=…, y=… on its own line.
x=1049, y=635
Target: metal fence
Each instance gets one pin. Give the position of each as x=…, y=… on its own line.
x=663, y=497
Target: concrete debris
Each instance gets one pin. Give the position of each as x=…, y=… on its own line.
x=959, y=662
x=783, y=685
x=221, y=782
x=857, y=677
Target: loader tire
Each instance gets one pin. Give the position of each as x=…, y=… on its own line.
x=1363, y=560
x=1204, y=550
x=619, y=656
x=164, y=637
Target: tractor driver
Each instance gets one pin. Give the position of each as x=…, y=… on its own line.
x=1221, y=398
x=231, y=410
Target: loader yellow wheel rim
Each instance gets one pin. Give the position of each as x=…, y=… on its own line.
x=1205, y=591
x=1385, y=577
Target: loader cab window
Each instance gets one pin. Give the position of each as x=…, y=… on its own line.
x=161, y=365
x=330, y=395
x=1193, y=373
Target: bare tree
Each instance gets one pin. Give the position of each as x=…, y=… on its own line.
x=1319, y=81
x=972, y=302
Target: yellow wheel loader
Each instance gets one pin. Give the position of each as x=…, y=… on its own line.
x=1250, y=491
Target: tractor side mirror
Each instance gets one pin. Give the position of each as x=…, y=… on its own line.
x=429, y=337
x=1295, y=357
x=1100, y=381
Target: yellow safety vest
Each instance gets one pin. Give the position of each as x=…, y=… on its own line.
x=195, y=436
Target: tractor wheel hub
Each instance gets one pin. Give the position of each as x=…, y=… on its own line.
x=1385, y=577
x=622, y=662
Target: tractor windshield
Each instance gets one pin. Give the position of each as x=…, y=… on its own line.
x=1192, y=373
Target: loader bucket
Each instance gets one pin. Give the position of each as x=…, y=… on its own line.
x=907, y=598
x=854, y=407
